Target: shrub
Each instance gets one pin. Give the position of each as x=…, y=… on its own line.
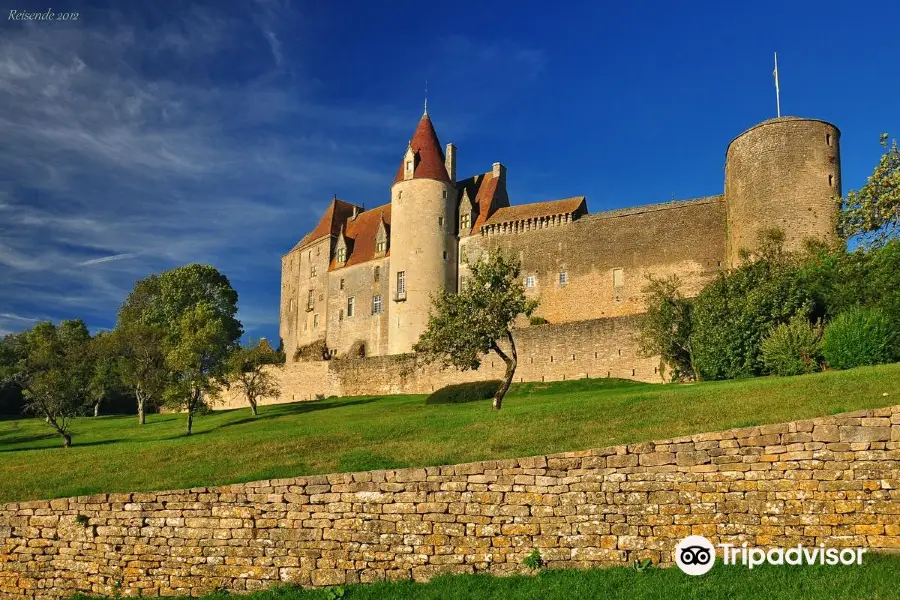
x=465, y=392
x=665, y=329
x=733, y=315
x=793, y=348
x=538, y=321
x=860, y=336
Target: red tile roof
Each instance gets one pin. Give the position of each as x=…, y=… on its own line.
x=429, y=155
x=487, y=195
x=360, y=234
x=330, y=223
x=523, y=212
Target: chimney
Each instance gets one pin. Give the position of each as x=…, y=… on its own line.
x=499, y=171
x=451, y=162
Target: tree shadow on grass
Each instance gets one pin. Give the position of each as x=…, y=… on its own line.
x=24, y=439
x=279, y=410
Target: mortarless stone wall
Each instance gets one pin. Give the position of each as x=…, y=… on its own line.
x=833, y=480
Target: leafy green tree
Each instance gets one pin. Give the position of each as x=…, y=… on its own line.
x=249, y=370
x=665, y=329
x=103, y=357
x=732, y=315
x=142, y=363
x=56, y=374
x=174, y=301
x=873, y=212
x=162, y=299
x=12, y=351
x=464, y=327
x=198, y=348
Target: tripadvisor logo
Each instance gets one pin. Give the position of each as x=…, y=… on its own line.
x=696, y=555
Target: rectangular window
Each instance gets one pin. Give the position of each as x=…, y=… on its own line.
x=440, y=221
x=530, y=281
x=341, y=315
x=351, y=303
x=376, y=305
x=380, y=246
x=312, y=271
x=445, y=255
x=401, y=285
x=563, y=278
x=342, y=255
x=342, y=284
x=311, y=300
x=377, y=274
x=316, y=321
x=618, y=278
x=465, y=222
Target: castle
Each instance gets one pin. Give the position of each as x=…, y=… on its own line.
x=359, y=283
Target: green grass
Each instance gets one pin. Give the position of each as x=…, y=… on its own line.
x=878, y=578
x=115, y=454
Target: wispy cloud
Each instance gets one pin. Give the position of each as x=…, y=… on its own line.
x=104, y=259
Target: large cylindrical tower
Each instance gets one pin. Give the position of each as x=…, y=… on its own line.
x=784, y=173
x=423, y=237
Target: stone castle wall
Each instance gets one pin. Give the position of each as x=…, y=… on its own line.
x=831, y=481
x=684, y=238
x=596, y=348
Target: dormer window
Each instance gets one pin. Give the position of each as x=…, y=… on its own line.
x=342, y=255
x=465, y=222
x=381, y=238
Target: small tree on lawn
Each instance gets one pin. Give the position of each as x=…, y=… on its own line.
x=665, y=329
x=197, y=352
x=249, y=369
x=102, y=354
x=142, y=363
x=873, y=212
x=55, y=374
x=464, y=327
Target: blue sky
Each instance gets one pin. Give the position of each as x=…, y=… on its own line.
x=147, y=135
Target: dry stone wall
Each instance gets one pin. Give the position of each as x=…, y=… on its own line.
x=832, y=481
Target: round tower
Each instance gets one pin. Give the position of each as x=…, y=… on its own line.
x=423, y=236
x=784, y=173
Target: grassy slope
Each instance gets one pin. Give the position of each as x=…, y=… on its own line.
x=114, y=454
x=877, y=579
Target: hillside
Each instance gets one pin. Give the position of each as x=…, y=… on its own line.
x=115, y=454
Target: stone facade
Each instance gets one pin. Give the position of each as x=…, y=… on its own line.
x=782, y=173
x=831, y=481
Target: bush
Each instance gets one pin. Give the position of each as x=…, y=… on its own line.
x=538, y=321
x=793, y=348
x=734, y=314
x=465, y=392
x=860, y=336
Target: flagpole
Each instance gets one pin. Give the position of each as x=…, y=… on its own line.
x=777, y=91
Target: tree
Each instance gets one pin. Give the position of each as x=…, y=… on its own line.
x=665, y=329
x=12, y=352
x=873, y=212
x=198, y=347
x=102, y=355
x=249, y=370
x=142, y=363
x=55, y=373
x=464, y=327
x=175, y=301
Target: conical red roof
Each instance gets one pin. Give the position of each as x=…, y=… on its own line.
x=429, y=156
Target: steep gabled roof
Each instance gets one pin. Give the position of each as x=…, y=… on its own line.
x=429, y=155
x=523, y=212
x=360, y=233
x=330, y=224
x=487, y=194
